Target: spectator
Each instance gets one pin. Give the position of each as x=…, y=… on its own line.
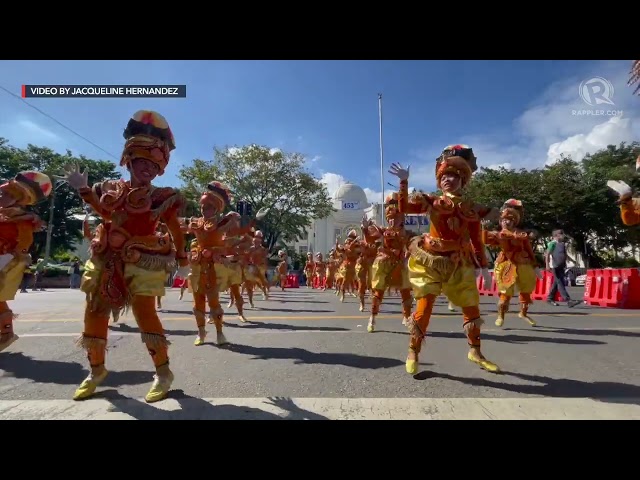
x=38, y=273
x=75, y=274
x=556, y=262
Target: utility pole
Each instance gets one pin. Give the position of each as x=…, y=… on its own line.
x=381, y=158
x=52, y=203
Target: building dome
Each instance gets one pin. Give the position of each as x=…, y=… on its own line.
x=350, y=192
x=350, y=201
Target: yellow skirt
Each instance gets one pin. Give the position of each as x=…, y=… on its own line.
x=140, y=281
x=387, y=272
x=11, y=278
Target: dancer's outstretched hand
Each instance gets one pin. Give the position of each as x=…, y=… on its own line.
x=74, y=177
x=399, y=171
x=621, y=188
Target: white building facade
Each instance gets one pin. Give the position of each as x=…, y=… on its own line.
x=351, y=204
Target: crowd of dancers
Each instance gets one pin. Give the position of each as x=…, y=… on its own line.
x=142, y=238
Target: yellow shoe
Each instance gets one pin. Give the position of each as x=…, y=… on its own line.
x=199, y=341
x=371, y=328
x=89, y=385
x=160, y=388
x=483, y=362
x=412, y=365
x=528, y=319
x=499, y=321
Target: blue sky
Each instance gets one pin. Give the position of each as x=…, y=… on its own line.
x=514, y=113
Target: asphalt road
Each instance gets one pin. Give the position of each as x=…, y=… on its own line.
x=303, y=354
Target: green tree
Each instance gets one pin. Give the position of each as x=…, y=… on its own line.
x=265, y=178
x=66, y=230
x=569, y=195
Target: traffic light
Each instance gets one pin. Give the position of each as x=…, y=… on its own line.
x=248, y=208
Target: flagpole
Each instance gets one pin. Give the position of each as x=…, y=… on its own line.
x=381, y=158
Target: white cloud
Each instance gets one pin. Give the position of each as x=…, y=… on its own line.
x=612, y=132
x=557, y=122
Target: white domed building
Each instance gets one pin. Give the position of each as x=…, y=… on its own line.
x=351, y=204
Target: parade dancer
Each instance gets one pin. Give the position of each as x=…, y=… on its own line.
x=17, y=227
x=332, y=268
x=389, y=268
x=211, y=270
x=320, y=271
x=346, y=274
x=516, y=265
x=309, y=268
x=256, y=267
x=230, y=273
x=282, y=269
x=445, y=259
x=629, y=206
x=129, y=261
x=363, y=268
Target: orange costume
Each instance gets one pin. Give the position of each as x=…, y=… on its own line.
x=256, y=267
x=346, y=274
x=629, y=206
x=332, y=267
x=129, y=258
x=320, y=271
x=630, y=211
x=516, y=265
x=445, y=259
x=16, y=237
x=282, y=269
x=389, y=268
x=214, y=259
x=309, y=268
x=363, y=268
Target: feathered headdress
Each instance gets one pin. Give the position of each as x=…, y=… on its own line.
x=148, y=136
x=218, y=194
x=29, y=187
x=457, y=159
x=512, y=209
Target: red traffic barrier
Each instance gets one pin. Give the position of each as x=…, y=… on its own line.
x=543, y=286
x=292, y=282
x=613, y=288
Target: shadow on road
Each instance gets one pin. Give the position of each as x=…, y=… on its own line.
x=192, y=408
x=611, y=392
x=591, y=333
x=253, y=324
x=519, y=339
x=250, y=325
x=293, y=310
x=18, y=365
x=302, y=356
x=509, y=338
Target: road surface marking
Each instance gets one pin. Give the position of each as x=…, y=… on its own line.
x=266, y=330
x=189, y=318
x=323, y=409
